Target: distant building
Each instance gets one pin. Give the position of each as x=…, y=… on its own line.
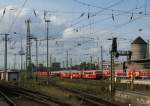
x=10, y=75
x=140, y=54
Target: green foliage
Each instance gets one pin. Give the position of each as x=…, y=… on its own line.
x=41, y=65
x=88, y=66
x=30, y=67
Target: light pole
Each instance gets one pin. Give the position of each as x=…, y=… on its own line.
x=50, y=61
x=37, y=40
x=5, y=56
x=36, y=46
x=71, y=63
x=112, y=70
x=91, y=62
x=67, y=59
x=28, y=49
x=148, y=49
x=102, y=58
x=21, y=52
x=47, y=29
x=15, y=61
x=5, y=63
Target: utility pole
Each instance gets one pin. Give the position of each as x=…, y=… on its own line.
x=148, y=49
x=50, y=60
x=21, y=62
x=113, y=53
x=91, y=61
x=21, y=54
x=15, y=61
x=5, y=54
x=67, y=59
x=36, y=55
x=36, y=44
x=5, y=57
x=55, y=59
x=24, y=65
x=70, y=63
x=112, y=70
x=47, y=30
x=63, y=64
x=98, y=63
x=28, y=48
x=102, y=58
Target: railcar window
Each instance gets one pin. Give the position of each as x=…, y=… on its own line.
x=88, y=72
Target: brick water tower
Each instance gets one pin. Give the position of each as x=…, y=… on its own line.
x=140, y=49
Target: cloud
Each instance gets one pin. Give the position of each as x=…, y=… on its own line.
x=37, y=28
x=57, y=20
x=71, y=33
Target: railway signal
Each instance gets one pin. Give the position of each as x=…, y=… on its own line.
x=115, y=53
x=114, y=45
x=124, y=67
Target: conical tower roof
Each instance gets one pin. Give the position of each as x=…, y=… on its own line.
x=139, y=40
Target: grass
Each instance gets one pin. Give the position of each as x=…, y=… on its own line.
x=100, y=89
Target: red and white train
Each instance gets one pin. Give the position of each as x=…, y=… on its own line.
x=88, y=74
x=95, y=74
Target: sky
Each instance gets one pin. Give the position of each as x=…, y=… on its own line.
x=78, y=26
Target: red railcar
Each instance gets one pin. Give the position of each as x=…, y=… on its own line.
x=138, y=73
x=92, y=74
x=41, y=73
x=71, y=74
x=89, y=74
x=117, y=73
x=55, y=73
x=76, y=74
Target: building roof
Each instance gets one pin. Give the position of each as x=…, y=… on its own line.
x=139, y=40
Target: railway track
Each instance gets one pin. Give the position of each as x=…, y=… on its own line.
x=5, y=100
x=45, y=100
x=85, y=98
x=89, y=98
x=134, y=92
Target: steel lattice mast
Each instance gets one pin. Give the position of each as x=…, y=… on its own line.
x=28, y=47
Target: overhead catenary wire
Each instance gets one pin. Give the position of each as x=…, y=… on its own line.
x=3, y=14
x=96, y=22
x=91, y=5
x=95, y=14
x=11, y=26
x=114, y=14
x=105, y=32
